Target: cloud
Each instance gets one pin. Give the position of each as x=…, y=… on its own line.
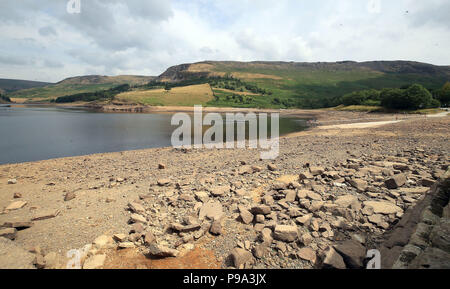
x=40, y=39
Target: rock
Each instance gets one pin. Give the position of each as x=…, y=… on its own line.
x=149, y=238
x=16, y=205
x=12, y=181
x=202, y=196
x=19, y=225
x=261, y=210
x=260, y=219
x=39, y=261
x=382, y=207
x=260, y=250
x=395, y=182
x=17, y=195
x=272, y=167
x=185, y=229
x=307, y=254
x=245, y=170
x=352, y=252
x=315, y=171
x=313, y=196
x=333, y=259
x=136, y=208
x=266, y=236
x=137, y=228
x=358, y=184
x=220, y=191
x=163, y=182
x=376, y=219
x=216, y=228
x=211, y=210
x=102, y=241
x=161, y=251
x=9, y=233
x=305, y=176
x=69, y=196
x=240, y=257
x=51, y=260
x=95, y=262
x=246, y=216
x=49, y=214
x=161, y=166
x=304, y=220
x=14, y=256
x=135, y=218
x=348, y=201
x=126, y=245
x=120, y=237
x=427, y=182
x=285, y=233
x=401, y=167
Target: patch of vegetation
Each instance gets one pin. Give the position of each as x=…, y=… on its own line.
x=94, y=96
x=4, y=98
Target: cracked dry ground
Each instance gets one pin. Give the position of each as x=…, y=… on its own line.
x=329, y=192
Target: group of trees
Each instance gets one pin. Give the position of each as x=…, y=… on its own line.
x=4, y=98
x=443, y=95
x=93, y=96
x=411, y=97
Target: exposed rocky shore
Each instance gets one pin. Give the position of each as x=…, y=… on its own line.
x=330, y=196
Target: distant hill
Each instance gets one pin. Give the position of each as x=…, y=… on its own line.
x=310, y=84
x=79, y=84
x=10, y=85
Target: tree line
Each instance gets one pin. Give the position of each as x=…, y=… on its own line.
x=93, y=96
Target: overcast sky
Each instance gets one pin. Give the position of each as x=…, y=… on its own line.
x=40, y=40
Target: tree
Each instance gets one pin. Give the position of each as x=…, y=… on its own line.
x=414, y=97
x=167, y=87
x=443, y=95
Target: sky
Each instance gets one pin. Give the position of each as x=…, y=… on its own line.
x=43, y=40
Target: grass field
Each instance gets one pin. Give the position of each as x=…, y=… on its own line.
x=178, y=96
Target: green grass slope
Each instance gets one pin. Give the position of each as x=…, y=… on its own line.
x=311, y=84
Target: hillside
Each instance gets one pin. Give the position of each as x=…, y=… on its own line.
x=10, y=85
x=80, y=84
x=309, y=84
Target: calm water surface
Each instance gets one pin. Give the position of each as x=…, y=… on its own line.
x=32, y=133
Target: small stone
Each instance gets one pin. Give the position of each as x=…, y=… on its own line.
x=45, y=215
x=382, y=207
x=17, y=195
x=272, y=167
x=9, y=233
x=216, y=228
x=202, y=196
x=161, y=251
x=246, y=216
x=126, y=245
x=102, y=241
x=161, y=166
x=69, y=196
x=39, y=261
x=16, y=205
x=395, y=182
x=149, y=238
x=135, y=218
x=163, y=182
x=261, y=210
x=358, y=184
x=12, y=181
x=307, y=254
x=285, y=233
x=333, y=259
x=315, y=171
x=240, y=257
x=120, y=237
x=136, y=208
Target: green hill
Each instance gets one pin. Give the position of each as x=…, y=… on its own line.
x=10, y=85
x=288, y=84
x=81, y=84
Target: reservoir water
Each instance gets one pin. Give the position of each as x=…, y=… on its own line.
x=32, y=133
